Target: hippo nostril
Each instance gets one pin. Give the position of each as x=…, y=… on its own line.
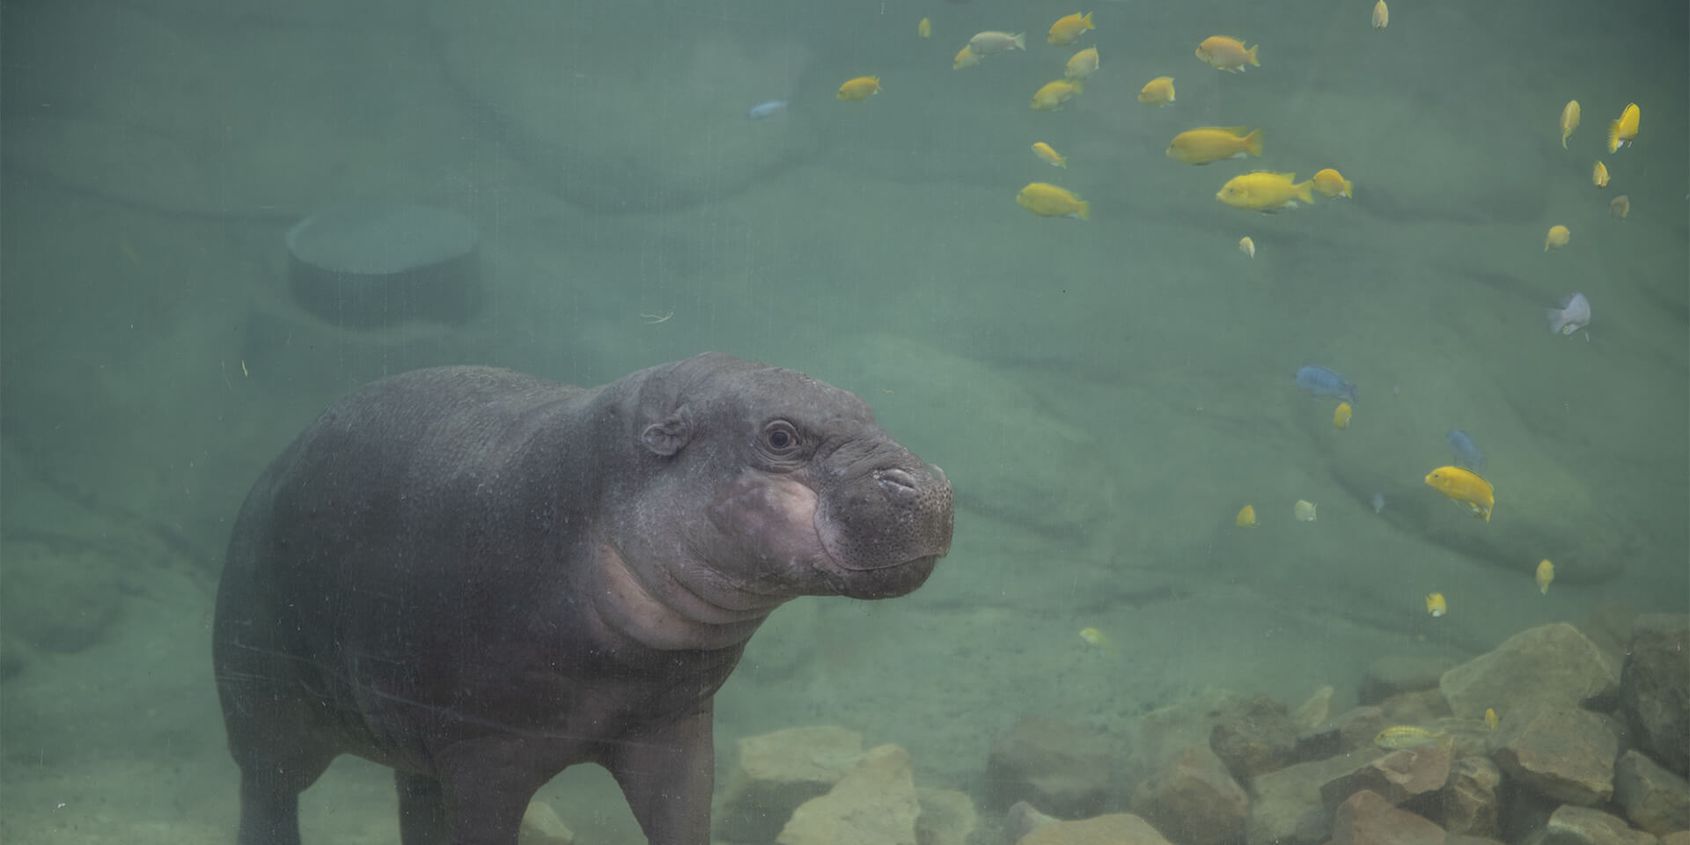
x=896, y=481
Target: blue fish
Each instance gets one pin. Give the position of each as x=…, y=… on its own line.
x=1320, y=381
x=1467, y=453
x=766, y=109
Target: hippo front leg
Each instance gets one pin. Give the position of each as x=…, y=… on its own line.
x=667, y=777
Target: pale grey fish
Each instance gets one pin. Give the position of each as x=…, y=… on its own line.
x=1378, y=502
x=1574, y=314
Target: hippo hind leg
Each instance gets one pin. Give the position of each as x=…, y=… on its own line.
x=422, y=810
x=279, y=751
x=270, y=788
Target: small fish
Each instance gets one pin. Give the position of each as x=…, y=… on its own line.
x=1599, y=175
x=1069, y=28
x=1157, y=92
x=1467, y=452
x=1247, y=245
x=1303, y=511
x=1094, y=638
x=1265, y=191
x=1398, y=737
x=1574, y=314
x=1624, y=130
x=1052, y=95
x=966, y=57
x=1223, y=52
x=1341, y=416
x=1491, y=721
x=1207, y=144
x=766, y=109
x=1558, y=237
x=986, y=43
x=1082, y=64
x=1047, y=200
x=1569, y=120
x=1435, y=605
x=924, y=29
x=1381, y=15
x=1545, y=575
x=1319, y=381
x=1246, y=517
x=1378, y=502
x=1620, y=207
x=1466, y=487
x=1330, y=183
x=859, y=88
x=1049, y=154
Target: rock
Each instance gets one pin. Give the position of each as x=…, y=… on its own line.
x=1354, y=728
x=1365, y=818
x=947, y=817
x=541, y=826
x=1414, y=708
x=1654, y=799
x=1562, y=753
x=1023, y=818
x=59, y=597
x=1396, y=777
x=1655, y=691
x=1570, y=825
x=1549, y=664
x=874, y=804
x=1112, y=829
x=1253, y=737
x=1469, y=803
x=1313, y=712
x=1285, y=805
x=1388, y=676
x=1060, y=768
x=1681, y=837
x=775, y=772
x=367, y=265
x=1192, y=798
x=1609, y=627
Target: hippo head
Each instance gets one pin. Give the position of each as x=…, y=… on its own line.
x=752, y=485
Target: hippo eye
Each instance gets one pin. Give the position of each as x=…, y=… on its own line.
x=780, y=438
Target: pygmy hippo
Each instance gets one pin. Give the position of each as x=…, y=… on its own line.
x=478, y=578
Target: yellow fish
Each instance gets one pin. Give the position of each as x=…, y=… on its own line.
x=1464, y=486
x=1049, y=154
x=1545, y=575
x=1207, y=144
x=925, y=28
x=1341, y=416
x=1223, y=52
x=1569, y=120
x=1599, y=175
x=1069, y=28
x=1559, y=236
x=1093, y=637
x=1435, y=604
x=1491, y=721
x=1620, y=207
x=966, y=57
x=860, y=88
x=1398, y=737
x=1246, y=517
x=1082, y=64
x=1624, y=130
x=1247, y=245
x=1331, y=183
x=1053, y=94
x=986, y=43
x=1381, y=15
x=1157, y=92
x=1047, y=200
x=1265, y=191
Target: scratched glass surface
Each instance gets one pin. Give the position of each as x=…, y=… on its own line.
x=218, y=219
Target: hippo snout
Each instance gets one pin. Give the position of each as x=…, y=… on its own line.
x=888, y=517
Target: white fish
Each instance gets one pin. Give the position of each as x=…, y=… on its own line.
x=766, y=109
x=1378, y=502
x=1574, y=314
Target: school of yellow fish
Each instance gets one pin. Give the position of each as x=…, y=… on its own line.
x=1257, y=190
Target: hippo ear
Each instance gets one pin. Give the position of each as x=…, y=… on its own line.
x=668, y=436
